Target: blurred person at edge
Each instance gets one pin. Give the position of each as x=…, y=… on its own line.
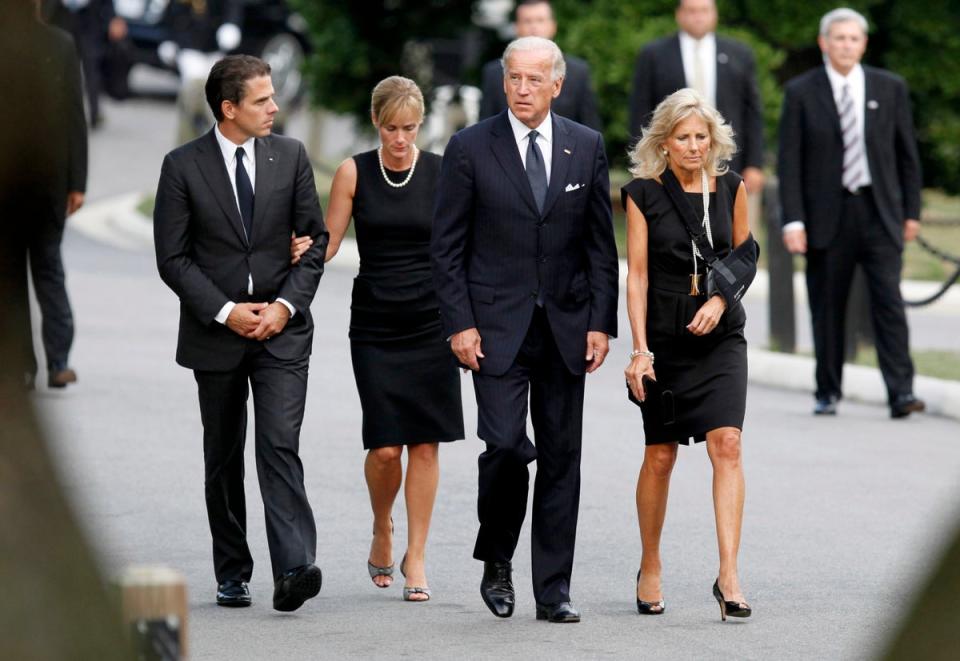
x=721, y=69
x=43, y=175
x=850, y=188
x=534, y=18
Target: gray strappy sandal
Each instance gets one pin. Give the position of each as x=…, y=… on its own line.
x=375, y=571
x=409, y=592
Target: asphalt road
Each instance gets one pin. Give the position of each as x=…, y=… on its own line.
x=843, y=516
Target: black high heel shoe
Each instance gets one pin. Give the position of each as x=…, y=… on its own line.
x=649, y=607
x=731, y=608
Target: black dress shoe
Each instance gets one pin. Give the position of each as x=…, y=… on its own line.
x=296, y=586
x=904, y=405
x=825, y=405
x=562, y=612
x=496, y=588
x=233, y=594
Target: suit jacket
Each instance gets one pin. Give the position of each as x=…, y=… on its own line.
x=810, y=161
x=576, y=100
x=659, y=73
x=203, y=255
x=87, y=23
x=43, y=149
x=493, y=253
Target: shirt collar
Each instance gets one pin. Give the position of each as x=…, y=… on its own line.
x=838, y=80
x=687, y=41
x=521, y=130
x=229, y=149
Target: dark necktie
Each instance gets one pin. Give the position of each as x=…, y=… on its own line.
x=536, y=171
x=244, y=194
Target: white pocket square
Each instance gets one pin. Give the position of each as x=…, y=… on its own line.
x=571, y=187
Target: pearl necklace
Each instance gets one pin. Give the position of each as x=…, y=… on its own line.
x=383, y=170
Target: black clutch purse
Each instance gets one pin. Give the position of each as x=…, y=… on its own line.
x=659, y=401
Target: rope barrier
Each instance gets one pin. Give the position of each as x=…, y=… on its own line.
x=933, y=250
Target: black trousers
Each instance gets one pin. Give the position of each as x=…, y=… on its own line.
x=861, y=239
x=279, y=393
x=50, y=287
x=556, y=410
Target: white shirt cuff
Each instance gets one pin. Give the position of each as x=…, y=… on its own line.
x=292, y=309
x=225, y=312
x=793, y=225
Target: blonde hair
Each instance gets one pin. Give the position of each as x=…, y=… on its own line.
x=647, y=159
x=393, y=95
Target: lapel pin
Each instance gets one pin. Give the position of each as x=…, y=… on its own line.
x=566, y=151
x=872, y=104
x=722, y=58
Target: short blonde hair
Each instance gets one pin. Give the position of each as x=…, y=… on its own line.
x=647, y=159
x=393, y=95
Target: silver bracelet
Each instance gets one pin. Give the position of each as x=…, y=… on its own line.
x=641, y=352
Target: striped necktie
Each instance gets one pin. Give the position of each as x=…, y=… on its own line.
x=853, y=156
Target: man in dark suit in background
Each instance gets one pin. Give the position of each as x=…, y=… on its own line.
x=525, y=267
x=721, y=69
x=534, y=18
x=226, y=206
x=850, y=188
x=43, y=170
x=91, y=22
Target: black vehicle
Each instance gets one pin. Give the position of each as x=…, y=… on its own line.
x=268, y=29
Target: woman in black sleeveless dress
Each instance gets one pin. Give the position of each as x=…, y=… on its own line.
x=700, y=381
x=406, y=376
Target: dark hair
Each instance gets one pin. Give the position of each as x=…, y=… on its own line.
x=530, y=3
x=228, y=77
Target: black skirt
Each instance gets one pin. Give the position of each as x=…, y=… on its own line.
x=406, y=376
x=707, y=375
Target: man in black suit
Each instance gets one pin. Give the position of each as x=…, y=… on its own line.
x=534, y=18
x=91, y=22
x=525, y=267
x=226, y=206
x=850, y=189
x=720, y=68
x=43, y=174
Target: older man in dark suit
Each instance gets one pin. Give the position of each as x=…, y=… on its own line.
x=525, y=267
x=720, y=68
x=850, y=188
x=227, y=204
x=534, y=18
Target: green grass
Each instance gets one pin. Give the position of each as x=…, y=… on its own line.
x=937, y=363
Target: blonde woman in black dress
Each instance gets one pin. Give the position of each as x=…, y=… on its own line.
x=406, y=376
x=696, y=340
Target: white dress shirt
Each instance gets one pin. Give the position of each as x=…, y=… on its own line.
x=705, y=50
x=858, y=92
x=228, y=149
x=521, y=133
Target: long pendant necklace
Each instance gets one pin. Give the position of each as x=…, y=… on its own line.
x=383, y=170
x=705, y=191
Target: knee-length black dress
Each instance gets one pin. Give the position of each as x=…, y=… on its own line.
x=406, y=375
x=708, y=374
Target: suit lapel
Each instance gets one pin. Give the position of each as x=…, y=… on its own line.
x=825, y=98
x=505, y=150
x=559, y=164
x=677, y=75
x=266, y=177
x=214, y=172
x=869, y=99
x=722, y=78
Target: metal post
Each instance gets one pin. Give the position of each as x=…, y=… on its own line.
x=783, y=335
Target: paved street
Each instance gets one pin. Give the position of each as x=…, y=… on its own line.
x=843, y=515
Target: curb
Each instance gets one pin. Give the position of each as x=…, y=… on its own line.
x=116, y=222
